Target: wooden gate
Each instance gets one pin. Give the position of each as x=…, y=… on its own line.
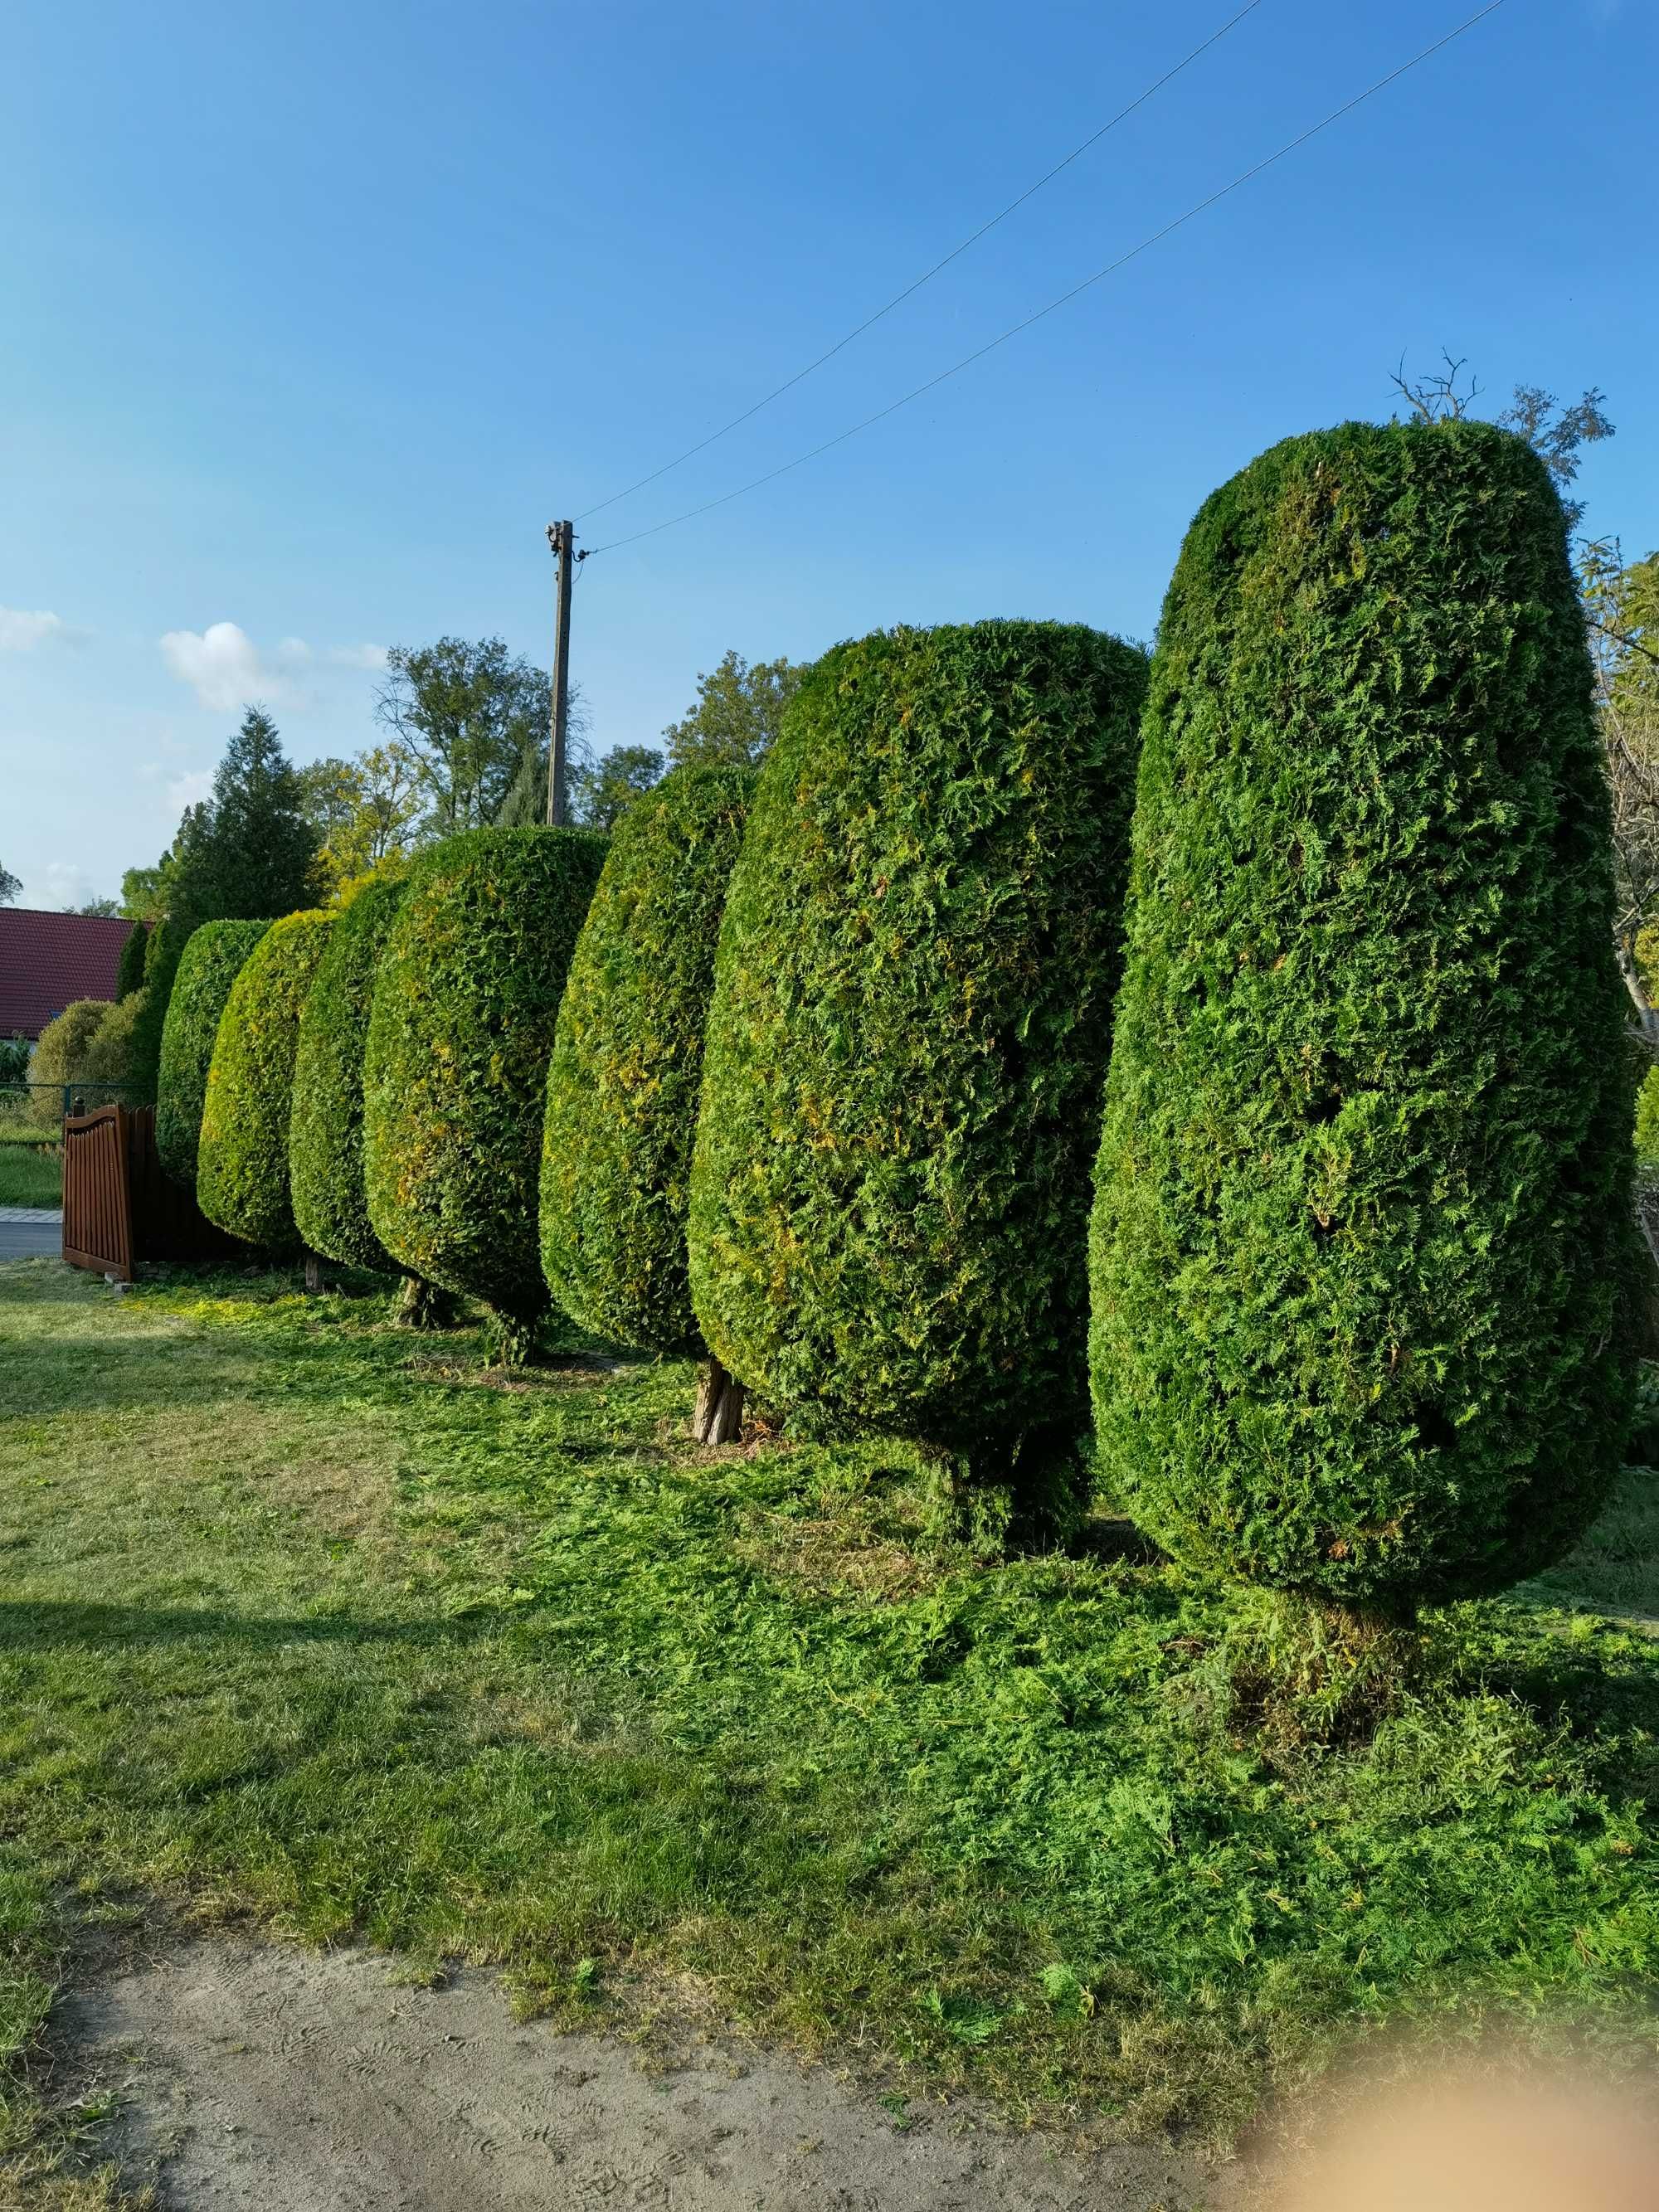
x=97, y=1194
x=119, y=1208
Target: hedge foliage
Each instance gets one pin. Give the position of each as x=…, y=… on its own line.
x=211, y=963
x=910, y=1025
x=106, y=1064
x=325, y=1136
x=455, y=1079
x=59, y=1055
x=162, y=954
x=242, y=1173
x=627, y=1069
x=1362, y=1229
x=129, y=968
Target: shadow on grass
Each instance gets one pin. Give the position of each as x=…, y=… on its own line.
x=53, y=1623
x=124, y=1374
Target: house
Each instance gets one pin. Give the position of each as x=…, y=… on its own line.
x=48, y=960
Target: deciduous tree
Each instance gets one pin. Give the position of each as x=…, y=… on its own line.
x=737, y=715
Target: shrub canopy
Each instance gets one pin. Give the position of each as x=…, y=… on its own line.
x=903, y=1064
x=623, y=1089
x=1363, y=1225
x=326, y=1137
x=211, y=963
x=108, y=1060
x=455, y=1079
x=60, y=1054
x=241, y=1171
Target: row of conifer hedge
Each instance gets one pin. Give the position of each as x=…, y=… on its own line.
x=807, y=1070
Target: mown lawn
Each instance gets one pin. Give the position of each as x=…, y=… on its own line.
x=302, y=1616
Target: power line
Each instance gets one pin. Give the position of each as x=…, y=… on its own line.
x=1064, y=297
x=927, y=276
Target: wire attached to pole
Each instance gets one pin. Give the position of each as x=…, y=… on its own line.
x=1015, y=329
x=927, y=276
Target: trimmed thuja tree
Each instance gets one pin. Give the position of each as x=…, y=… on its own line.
x=455, y=1079
x=162, y=952
x=242, y=1173
x=623, y=1089
x=325, y=1135
x=1362, y=1242
x=129, y=968
x=211, y=963
x=909, y=1029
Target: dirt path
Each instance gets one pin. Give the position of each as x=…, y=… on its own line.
x=280, y=2080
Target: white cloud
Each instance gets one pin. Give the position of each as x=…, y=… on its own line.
x=20, y=631
x=58, y=883
x=222, y=665
x=227, y=670
x=191, y=789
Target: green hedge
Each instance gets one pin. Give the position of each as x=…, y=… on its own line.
x=162, y=954
x=106, y=1064
x=129, y=968
x=325, y=1139
x=623, y=1089
x=910, y=1025
x=1361, y=1243
x=242, y=1173
x=59, y=1055
x=455, y=1078
x=211, y=963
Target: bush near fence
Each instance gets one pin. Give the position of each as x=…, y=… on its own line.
x=241, y=1174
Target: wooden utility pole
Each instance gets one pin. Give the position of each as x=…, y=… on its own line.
x=561, y=536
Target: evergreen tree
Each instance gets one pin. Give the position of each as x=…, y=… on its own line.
x=1362, y=1236
x=249, y=853
x=129, y=968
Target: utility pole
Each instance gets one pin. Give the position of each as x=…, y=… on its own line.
x=561, y=536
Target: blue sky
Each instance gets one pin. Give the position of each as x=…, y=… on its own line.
x=312, y=317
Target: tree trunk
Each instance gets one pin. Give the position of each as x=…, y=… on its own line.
x=718, y=1417
x=515, y=1338
x=1645, y=1014
x=314, y=1273
x=417, y=1304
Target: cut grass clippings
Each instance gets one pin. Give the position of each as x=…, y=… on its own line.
x=302, y=1621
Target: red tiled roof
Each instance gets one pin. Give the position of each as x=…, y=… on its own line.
x=47, y=960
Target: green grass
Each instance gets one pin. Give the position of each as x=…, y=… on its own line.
x=303, y=1618
x=30, y=1176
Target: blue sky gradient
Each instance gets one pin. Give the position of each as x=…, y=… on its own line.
x=314, y=316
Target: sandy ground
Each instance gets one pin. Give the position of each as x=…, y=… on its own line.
x=250, y=2076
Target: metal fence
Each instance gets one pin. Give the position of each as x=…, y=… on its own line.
x=40, y=1109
